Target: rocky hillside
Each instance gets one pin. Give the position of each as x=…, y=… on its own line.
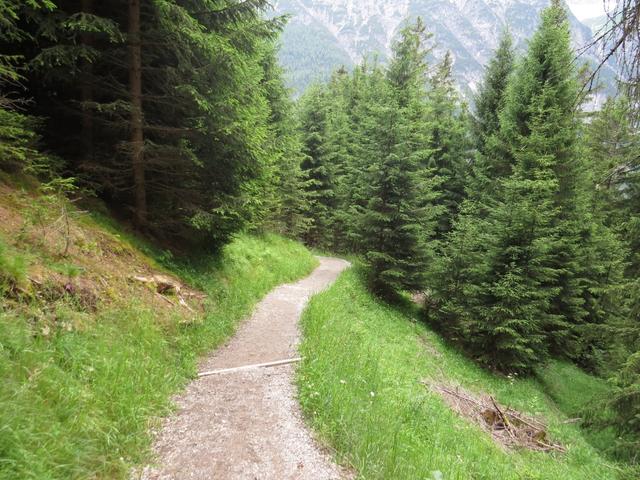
x=324, y=34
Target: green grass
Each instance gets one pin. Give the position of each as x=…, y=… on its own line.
x=572, y=389
x=78, y=404
x=13, y=268
x=580, y=395
x=360, y=389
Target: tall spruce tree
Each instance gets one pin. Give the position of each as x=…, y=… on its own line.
x=614, y=149
x=314, y=111
x=352, y=188
x=338, y=154
x=394, y=218
x=540, y=285
x=449, y=142
x=490, y=99
x=281, y=189
x=490, y=163
x=458, y=273
x=160, y=106
x=535, y=285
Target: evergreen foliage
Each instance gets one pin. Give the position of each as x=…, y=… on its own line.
x=17, y=131
x=394, y=225
x=390, y=228
x=491, y=163
x=548, y=266
x=168, y=109
x=369, y=149
x=613, y=146
x=450, y=142
x=520, y=223
x=313, y=122
x=490, y=99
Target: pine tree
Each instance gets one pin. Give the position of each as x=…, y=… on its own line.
x=339, y=154
x=519, y=287
x=17, y=130
x=458, y=273
x=395, y=219
x=283, y=185
x=457, y=277
x=490, y=98
x=491, y=163
x=314, y=111
x=613, y=144
x=541, y=286
x=540, y=127
x=625, y=403
x=449, y=142
x=390, y=231
x=612, y=147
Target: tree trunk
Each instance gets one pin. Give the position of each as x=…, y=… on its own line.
x=86, y=92
x=137, y=138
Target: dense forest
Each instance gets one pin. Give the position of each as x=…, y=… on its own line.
x=517, y=218
x=175, y=113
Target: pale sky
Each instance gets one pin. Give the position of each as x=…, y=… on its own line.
x=585, y=9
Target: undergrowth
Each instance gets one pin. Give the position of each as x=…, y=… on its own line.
x=79, y=402
x=361, y=389
x=13, y=268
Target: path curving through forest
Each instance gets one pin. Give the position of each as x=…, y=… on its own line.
x=247, y=424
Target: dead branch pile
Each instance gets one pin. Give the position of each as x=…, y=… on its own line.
x=508, y=427
x=165, y=286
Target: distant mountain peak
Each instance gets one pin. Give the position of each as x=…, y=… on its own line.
x=324, y=34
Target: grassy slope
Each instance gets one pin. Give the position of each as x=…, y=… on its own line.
x=81, y=387
x=361, y=390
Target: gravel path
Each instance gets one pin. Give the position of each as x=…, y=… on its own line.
x=247, y=425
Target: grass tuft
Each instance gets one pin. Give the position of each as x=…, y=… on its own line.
x=13, y=269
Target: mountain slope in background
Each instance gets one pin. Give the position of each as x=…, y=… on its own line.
x=324, y=34
x=596, y=23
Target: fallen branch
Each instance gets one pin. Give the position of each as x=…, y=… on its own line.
x=503, y=417
x=551, y=447
x=528, y=422
x=507, y=426
x=572, y=420
x=250, y=367
x=165, y=299
x=182, y=302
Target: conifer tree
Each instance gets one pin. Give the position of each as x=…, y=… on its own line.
x=314, y=111
x=537, y=292
x=283, y=184
x=613, y=146
x=449, y=142
x=395, y=218
x=339, y=154
x=391, y=235
x=193, y=111
x=490, y=98
x=540, y=127
x=490, y=163
x=458, y=273
x=17, y=135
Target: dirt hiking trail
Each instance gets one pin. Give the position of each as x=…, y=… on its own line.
x=247, y=424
